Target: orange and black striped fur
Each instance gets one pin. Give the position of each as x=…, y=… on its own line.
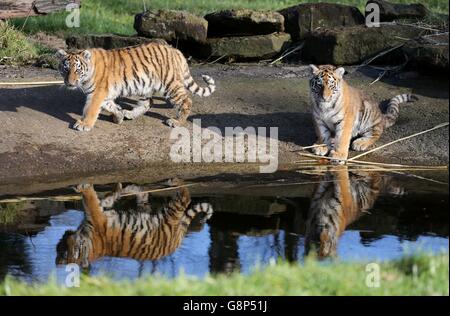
x=140, y=234
x=340, y=199
x=104, y=75
x=347, y=114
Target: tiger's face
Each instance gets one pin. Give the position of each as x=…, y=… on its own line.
x=75, y=68
x=73, y=248
x=325, y=84
x=323, y=237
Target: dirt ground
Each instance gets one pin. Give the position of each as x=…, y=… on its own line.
x=37, y=140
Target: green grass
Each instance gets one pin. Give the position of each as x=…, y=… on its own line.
x=416, y=275
x=112, y=16
x=17, y=49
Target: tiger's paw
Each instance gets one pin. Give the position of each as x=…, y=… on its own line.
x=82, y=126
x=360, y=145
x=320, y=151
x=172, y=122
x=82, y=187
x=205, y=208
x=337, y=158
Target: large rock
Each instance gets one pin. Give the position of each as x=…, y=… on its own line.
x=171, y=25
x=301, y=20
x=429, y=53
x=395, y=11
x=247, y=48
x=106, y=41
x=353, y=45
x=244, y=22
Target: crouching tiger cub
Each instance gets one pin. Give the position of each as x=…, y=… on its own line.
x=104, y=75
x=345, y=113
x=138, y=233
x=340, y=199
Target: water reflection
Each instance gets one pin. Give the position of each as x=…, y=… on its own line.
x=140, y=233
x=340, y=199
x=127, y=231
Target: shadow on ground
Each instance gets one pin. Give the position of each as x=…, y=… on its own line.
x=296, y=128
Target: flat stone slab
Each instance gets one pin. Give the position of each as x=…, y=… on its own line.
x=106, y=41
x=248, y=47
x=353, y=45
x=303, y=19
x=429, y=53
x=395, y=11
x=244, y=22
x=171, y=25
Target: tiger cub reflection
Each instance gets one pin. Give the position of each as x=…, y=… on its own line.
x=339, y=200
x=141, y=234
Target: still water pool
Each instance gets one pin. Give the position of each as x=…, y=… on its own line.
x=220, y=225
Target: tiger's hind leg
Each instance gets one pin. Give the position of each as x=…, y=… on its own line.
x=183, y=102
x=112, y=108
x=367, y=139
x=143, y=105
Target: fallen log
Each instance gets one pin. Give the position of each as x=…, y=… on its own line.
x=23, y=8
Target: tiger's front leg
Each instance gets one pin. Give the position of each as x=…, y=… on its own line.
x=91, y=111
x=323, y=138
x=342, y=141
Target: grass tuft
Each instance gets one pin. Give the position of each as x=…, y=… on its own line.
x=15, y=48
x=431, y=277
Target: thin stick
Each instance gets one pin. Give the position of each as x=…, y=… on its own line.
x=288, y=53
x=216, y=60
x=31, y=83
x=161, y=189
x=381, y=75
x=399, y=140
x=376, y=163
x=418, y=26
x=380, y=169
x=400, y=166
x=365, y=63
x=419, y=177
x=309, y=147
x=78, y=197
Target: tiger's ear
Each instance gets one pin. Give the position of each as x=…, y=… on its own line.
x=60, y=54
x=340, y=72
x=87, y=54
x=314, y=69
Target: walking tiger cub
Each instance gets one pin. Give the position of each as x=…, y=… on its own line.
x=339, y=200
x=104, y=75
x=344, y=112
x=140, y=234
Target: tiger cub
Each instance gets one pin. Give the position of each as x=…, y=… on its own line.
x=340, y=199
x=345, y=113
x=141, y=234
x=104, y=75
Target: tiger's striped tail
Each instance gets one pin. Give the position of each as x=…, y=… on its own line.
x=190, y=214
x=192, y=86
x=392, y=110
